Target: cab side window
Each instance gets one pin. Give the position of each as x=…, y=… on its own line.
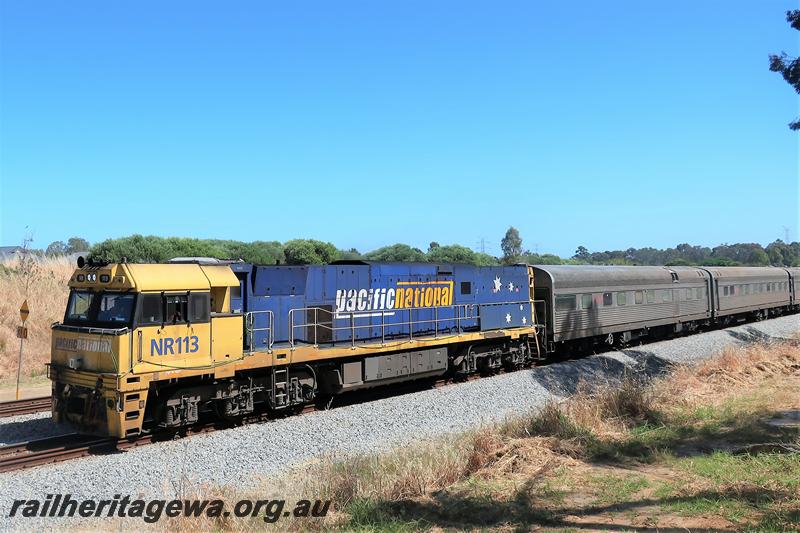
x=199, y=306
x=176, y=308
x=173, y=308
x=150, y=309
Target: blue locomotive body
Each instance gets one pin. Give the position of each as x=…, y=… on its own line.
x=366, y=301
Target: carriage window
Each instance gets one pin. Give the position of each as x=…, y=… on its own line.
x=763, y=287
x=608, y=299
x=586, y=301
x=638, y=297
x=687, y=295
x=697, y=293
x=651, y=296
x=725, y=290
x=622, y=298
x=565, y=302
x=666, y=295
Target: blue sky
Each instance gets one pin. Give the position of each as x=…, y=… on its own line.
x=606, y=124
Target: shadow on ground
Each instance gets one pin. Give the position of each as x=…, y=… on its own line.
x=533, y=503
x=564, y=379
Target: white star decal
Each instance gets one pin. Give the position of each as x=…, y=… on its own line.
x=508, y=318
x=524, y=320
x=511, y=286
x=497, y=284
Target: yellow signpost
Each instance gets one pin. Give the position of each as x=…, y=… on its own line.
x=22, y=333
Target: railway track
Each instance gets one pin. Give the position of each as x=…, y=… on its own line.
x=73, y=446
x=52, y=450
x=63, y=448
x=24, y=407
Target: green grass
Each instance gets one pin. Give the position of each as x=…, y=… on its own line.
x=767, y=471
x=369, y=515
x=729, y=507
x=736, y=422
x=617, y=489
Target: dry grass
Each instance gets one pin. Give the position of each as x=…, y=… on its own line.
x=735, y=372
x=543, y=470
x=634, y=423
x=407, y=472
x=44, y=284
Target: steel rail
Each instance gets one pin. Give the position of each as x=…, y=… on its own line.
x=24, y=407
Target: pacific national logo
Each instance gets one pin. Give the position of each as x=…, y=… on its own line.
x=80, y=344
x=406, y=295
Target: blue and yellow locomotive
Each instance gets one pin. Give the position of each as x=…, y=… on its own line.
x=145, y=347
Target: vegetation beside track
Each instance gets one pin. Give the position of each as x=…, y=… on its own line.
x=704, y=447
x=701, y=448
x=43, y=282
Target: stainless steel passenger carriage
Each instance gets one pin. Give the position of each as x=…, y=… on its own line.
x=756, y=291
x=620, y=303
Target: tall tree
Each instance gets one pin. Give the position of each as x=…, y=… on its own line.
x=77, y=244
x=396, y=252
x=56, y=248
x=511, y=246
x=789, y=67
x=581, y=254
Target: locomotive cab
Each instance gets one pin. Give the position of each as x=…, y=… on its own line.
x=129, y=324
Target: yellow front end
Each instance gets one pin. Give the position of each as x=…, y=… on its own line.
x=130, y=327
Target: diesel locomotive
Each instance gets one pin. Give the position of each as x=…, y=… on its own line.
x=158, y=347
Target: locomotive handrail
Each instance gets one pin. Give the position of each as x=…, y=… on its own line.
x=249, y=323
x=468, y=314
x=460, y=312
x=93, y=330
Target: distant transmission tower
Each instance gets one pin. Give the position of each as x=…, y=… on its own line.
x=786, y=234
x=482, y=244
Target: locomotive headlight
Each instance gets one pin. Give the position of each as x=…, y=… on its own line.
x=104, y=278
x=81, y=278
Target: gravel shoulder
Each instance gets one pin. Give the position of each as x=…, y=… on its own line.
x=241, y=458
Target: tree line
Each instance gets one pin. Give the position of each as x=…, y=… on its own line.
x=142, y=249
